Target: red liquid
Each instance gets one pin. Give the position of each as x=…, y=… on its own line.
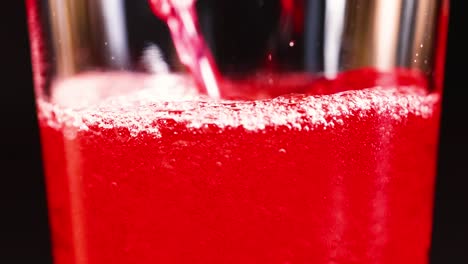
x=141, y=178
x=181, y=18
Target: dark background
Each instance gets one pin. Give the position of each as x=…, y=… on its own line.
x=24, y=230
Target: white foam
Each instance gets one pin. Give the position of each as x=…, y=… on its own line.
x=135, y=102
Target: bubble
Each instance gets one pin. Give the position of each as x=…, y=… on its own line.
x=181, y=143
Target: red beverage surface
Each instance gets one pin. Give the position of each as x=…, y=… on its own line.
x=160, y=175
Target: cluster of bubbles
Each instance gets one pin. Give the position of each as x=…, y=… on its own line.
x=175, y=98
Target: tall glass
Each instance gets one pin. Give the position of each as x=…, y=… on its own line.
x=216, y=131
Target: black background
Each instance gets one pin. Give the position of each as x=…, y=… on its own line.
x=24, y=230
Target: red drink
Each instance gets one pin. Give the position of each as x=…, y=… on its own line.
x=139, y=177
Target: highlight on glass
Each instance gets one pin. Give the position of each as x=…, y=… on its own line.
x=239, y=131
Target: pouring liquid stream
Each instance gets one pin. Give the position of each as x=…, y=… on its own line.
x=181, y=18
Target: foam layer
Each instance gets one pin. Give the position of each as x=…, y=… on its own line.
x=135, y=102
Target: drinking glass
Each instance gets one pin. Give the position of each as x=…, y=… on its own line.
x=239, y=131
